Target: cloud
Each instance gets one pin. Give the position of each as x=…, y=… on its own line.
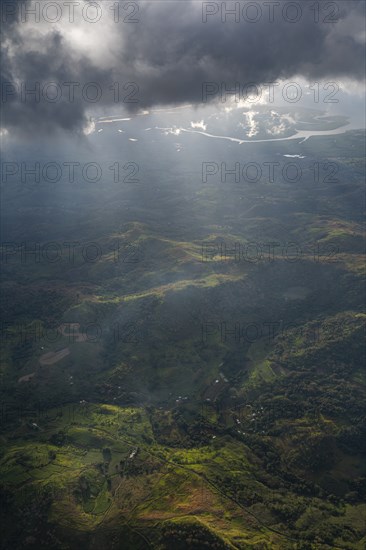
x=251, y=127
x=163, y=58
x=200, y=124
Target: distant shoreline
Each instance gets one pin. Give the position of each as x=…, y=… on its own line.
x=304, y=135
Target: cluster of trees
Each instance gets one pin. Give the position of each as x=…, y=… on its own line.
x=195, y=537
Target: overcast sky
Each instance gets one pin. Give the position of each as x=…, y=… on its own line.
x=89, y=58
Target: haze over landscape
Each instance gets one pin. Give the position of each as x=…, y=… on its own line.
x=182, y=275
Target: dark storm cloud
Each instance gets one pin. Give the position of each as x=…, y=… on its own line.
x=180, y=52
x=171, y=52
x=51, y=62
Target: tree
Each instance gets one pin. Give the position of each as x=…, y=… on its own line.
x=107, y=454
